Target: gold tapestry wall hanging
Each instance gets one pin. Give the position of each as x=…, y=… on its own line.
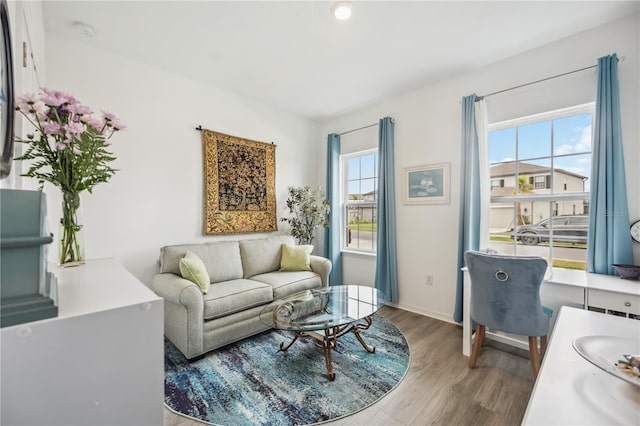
x=239, y=185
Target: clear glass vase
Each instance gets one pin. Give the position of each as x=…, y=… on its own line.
x=71, y=251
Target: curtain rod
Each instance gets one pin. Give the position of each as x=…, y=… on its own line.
x=359, y=128
x=479, y=98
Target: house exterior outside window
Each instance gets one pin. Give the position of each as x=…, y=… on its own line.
x=542, y=207
x=360, y=196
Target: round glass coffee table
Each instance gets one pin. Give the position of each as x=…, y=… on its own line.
x=326, y=314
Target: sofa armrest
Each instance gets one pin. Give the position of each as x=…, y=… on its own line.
x=183, y=312
x=178, y=290
x=322, y=267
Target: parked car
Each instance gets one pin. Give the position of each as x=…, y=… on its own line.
x=568, y=229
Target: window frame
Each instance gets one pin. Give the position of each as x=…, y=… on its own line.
x=551, y=197
x=345, y=204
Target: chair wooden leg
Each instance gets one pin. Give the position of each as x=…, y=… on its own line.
x=533, y=354
x=477, y=345
x=543, y=347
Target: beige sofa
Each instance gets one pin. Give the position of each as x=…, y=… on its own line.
x=244, y=278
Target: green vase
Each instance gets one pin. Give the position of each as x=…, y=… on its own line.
x=71, y=231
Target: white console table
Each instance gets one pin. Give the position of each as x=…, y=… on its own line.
x=569, y=389
x=99, y=362
x=566, y=287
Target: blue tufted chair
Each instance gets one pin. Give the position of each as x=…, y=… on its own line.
x=505, y=295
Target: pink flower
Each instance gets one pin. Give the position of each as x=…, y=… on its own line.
x=109, y=116
x=23, y=107
x=118, y=124
x=80, y=109
x=92, y=121
x=66, y=133
x=40, y=109
x=53, y=101
x=28, y=105
x=51, y=128
x=75, y=128
x=56, y=98
x=28, y=98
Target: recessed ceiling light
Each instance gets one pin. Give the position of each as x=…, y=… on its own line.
x=342, y=10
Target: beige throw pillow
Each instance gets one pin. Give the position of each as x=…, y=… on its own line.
x=296, y=258
x=192, y=268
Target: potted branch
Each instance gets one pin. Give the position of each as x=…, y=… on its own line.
x=308, y=209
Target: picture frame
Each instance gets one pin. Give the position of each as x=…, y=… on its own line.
x=427, y=184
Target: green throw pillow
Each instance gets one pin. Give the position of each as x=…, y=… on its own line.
x=295, y=258
x=192, y=268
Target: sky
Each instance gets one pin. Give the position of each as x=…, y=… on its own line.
x=571, y=140
x=361, y=173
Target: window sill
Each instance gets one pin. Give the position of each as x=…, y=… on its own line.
x=588, y=280
x=355, y=253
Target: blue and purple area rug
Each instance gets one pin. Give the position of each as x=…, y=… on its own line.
x=251, y=383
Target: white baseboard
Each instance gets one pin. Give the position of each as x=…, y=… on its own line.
x=431, y=314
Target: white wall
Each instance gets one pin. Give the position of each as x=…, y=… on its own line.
x=156, y=197
x=427, y=130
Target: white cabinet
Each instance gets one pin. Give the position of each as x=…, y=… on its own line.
x=100, y=362
x=624, y=305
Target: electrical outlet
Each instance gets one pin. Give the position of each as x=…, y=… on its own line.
x=428, y=279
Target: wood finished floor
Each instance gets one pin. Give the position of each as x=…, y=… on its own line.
x=439, y=389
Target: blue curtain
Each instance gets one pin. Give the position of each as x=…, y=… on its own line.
x=609, y=240
x=386, y=266
x=332, y=233
x=469, y=222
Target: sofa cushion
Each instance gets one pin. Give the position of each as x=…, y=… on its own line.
x=286, y=283
x=262, y=255
x=222, y=259
x=296, y=258
x=192, y=269
x=235, y=295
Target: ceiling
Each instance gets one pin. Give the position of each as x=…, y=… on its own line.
x=295, y=56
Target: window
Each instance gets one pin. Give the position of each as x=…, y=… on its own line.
x=543, y=207
x=541, y=182
x=360, y=196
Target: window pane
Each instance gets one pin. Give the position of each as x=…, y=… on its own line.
x=502, y=145
x=572, y=134
x=542, y=229
x=534, y=140
x=353, y=168
x=362, y=227
x=368, y=166
x=368, y=189
x=537, y=177
x=572, y=173
x=501, y=223
x=354, y=190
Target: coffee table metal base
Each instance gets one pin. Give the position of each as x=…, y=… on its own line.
x=329, y=340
